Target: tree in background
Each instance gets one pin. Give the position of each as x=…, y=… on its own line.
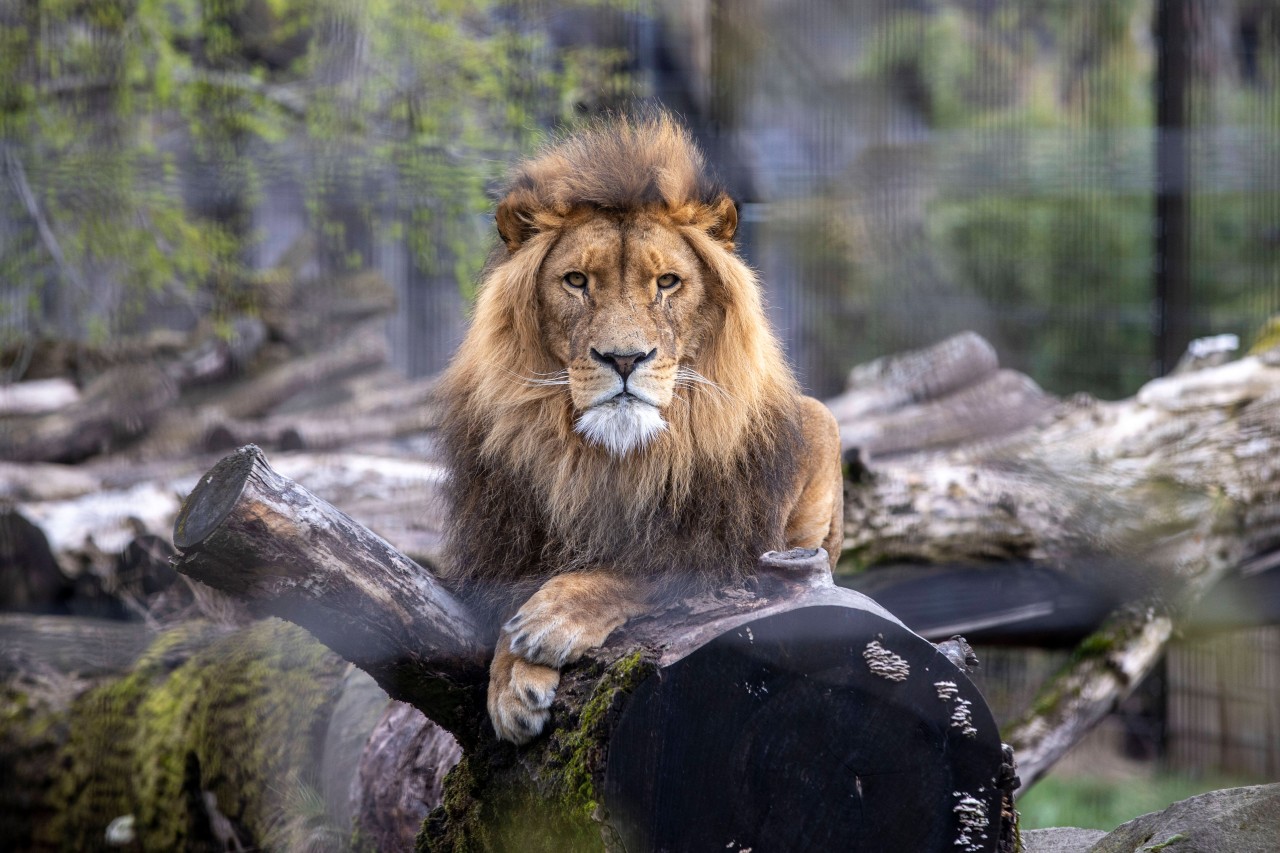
x=1039, y=225
x=141, y=138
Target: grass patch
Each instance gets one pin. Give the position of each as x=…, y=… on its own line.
x=1093, y=802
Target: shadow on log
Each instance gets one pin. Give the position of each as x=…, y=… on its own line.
x=790, y=715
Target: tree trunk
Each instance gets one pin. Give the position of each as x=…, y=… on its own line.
x=688, y=728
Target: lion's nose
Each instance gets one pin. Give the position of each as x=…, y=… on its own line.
x=623, y=362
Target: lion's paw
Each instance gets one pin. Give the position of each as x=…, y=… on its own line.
x=520, y=705
x=549, y=632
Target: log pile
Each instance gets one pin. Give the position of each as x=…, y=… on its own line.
x=1169, y=491
x=951, y=460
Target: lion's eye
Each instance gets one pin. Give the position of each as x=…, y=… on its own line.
x=668, y=281
x=576, y=280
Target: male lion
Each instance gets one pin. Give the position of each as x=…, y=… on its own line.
x=621, y=426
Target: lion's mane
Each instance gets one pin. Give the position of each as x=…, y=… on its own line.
x=529, y=496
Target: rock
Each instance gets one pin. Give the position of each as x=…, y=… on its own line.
x=1063, y=839
x=1241, y=820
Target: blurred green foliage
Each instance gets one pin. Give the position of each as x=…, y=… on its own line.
x=1093, y=802
x=135, y=135
x=1064, y=262
x=1002, y=178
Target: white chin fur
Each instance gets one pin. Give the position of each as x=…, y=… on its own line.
x=621, y=424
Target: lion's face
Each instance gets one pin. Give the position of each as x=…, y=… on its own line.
x=624, y=311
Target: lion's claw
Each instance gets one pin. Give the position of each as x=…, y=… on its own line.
x=519, y=706
x=548, y=633
x=556, y=626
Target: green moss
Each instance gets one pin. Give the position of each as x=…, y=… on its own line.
x=583, y=744
x=1162, y=845
x=32, y=731
x=1061, y=687
x=1095, y=645
x=1267, y=338
x=205, y=711
x=542, y=797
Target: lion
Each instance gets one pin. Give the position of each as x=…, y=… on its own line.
x=620, y=425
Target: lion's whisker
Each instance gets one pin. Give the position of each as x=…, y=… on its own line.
x=559, y=377
x=692, y=377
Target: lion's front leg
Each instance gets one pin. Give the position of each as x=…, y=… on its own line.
x=570, y=614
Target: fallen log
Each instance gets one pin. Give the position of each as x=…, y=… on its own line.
x=1165, y=492
x=44, y=482
x=363, y=349
x=121, y=404
x=37, y=397
x=88, y=515
x=399, y=408
x=184, y=428
x=736, y=719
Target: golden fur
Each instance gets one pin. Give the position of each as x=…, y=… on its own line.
x=586, y=534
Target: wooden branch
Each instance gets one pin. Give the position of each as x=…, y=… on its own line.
x=250, y=532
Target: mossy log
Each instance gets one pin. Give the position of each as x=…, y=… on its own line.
x=790, y=715
x=800, y=717
x=219, y=737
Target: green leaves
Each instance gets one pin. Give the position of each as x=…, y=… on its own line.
x=152, y=130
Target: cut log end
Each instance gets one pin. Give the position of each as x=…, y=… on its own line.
x=214, y=497
x=822, y=728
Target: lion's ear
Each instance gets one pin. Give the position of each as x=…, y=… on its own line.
x=515, y=223
x=726, y=224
